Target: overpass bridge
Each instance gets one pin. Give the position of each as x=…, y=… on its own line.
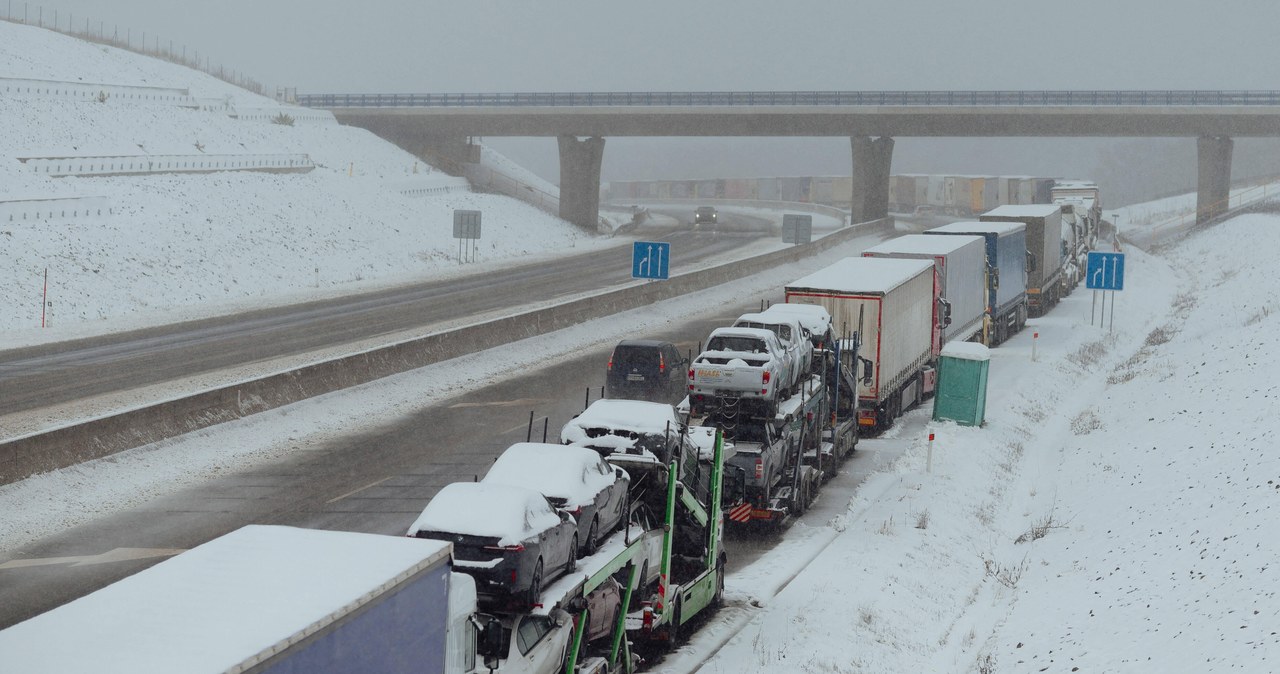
x=438, y=126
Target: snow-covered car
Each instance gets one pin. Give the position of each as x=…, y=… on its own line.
x=794, y=338
x=577, y=480
x=511, y=539
x=746, y=364
x=815, y=320
x=627, y=431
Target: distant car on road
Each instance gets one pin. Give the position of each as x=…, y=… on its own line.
x=705, y=215
x=577, y=480
x=646, y=369
x=512, y=540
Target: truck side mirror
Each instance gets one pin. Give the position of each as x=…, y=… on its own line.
x=1031, y=262
x=944, y=313
x=490, y=646
x=995, y=279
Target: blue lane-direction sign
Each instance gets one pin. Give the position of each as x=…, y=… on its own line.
x=649, y=259
x=1104, y=271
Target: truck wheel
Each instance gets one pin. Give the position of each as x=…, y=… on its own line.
x=673, y=628
x=718, y=599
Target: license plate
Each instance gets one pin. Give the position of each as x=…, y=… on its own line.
x=635, y=377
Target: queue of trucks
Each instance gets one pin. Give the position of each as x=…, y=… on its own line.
x=774, y=403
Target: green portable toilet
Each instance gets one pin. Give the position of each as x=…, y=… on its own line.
x=961, y=394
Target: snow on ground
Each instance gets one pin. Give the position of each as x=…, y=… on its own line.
x=1115, y=514
x=180, y=246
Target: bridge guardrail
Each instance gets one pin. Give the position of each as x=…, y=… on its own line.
x=798, y=98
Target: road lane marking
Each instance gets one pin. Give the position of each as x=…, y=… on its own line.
x=357, y=491
x=116, y=555
x=499, y=403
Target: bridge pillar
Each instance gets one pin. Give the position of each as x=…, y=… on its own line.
x=580, y=180
x=872, y=159
x=1214, y=184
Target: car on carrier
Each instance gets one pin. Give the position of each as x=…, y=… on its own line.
x=628, y=431
x=576, y=480
x=741, y=366
x=512, y=540
x=815, y=320
x=794, y=338
x=646, y=369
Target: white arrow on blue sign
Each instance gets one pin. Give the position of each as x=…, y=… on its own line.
x=649, y=259
x=1104, y=271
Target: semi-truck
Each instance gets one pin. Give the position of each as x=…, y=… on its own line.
x=266, y=599
x=1006, y=244
x=890, y=304
x=960, y=266
x=1044, y=243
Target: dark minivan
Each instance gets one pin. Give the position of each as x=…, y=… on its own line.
x=646, y=369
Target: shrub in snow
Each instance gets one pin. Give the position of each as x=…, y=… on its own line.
x=282, y=119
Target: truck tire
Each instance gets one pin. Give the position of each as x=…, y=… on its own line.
x=718, y=599
x=673, y=628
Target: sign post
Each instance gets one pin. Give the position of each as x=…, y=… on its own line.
x=650, y=260
x=797, y=229
x=466, y=225
x=1105, y=272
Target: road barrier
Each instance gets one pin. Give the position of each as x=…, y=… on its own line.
x=88, y=91
x=60, y=209
x=58, y=448
x=167, y=163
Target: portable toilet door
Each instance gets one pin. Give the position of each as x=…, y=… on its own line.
x=961, y=395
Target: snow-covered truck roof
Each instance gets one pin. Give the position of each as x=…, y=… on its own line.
x=975, y=227
x=225, y=605
x=873, y=275
x=1023, y=211
x=509, y=513
x=922, y=244
x=575, y=474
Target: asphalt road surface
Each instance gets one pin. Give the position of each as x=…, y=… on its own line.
x=38, y=377
x=375, y=481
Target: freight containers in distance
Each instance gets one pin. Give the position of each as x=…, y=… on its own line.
x=960, y=264
x=820, y=189
x=936, y=194
x=1006, y=244
x=842, y=191
x=792, y=190
x=1044, y=242
x=739, y=188
x=767, y=188
x=262, y=599
x=894, y=300
x=990, y=194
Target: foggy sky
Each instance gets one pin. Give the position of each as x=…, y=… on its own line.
x=402, y=46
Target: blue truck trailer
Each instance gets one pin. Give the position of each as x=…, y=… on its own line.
x=1006, y=244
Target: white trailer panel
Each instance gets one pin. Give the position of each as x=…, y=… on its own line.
x=257, y=595
x=896, y=298
x=961, y=265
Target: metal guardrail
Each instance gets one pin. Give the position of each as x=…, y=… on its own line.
x=797, y=98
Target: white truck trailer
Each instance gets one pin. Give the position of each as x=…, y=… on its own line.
x=890, y=304
x=960, y=264
x=266, y=599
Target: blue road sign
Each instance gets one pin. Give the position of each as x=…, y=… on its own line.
x=649, y=259
x=1104, y=271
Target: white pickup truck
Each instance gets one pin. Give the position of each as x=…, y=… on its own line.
x=741, y=365
x=794, y=338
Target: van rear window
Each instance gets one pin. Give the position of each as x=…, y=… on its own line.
x=632, y=357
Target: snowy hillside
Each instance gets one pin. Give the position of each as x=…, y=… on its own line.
x=173, y=245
